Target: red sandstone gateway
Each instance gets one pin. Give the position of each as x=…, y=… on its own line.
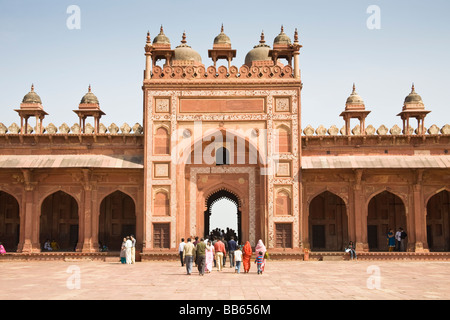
x=213, y=132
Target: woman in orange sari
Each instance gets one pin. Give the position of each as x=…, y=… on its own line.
x=247, y=255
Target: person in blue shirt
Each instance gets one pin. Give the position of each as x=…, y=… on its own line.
x=232, y=246
x=259, y=262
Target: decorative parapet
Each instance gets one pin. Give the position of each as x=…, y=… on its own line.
x=51, y=129
x=370, y=131
x=222, y=72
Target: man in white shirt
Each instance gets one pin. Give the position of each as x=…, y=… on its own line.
x=398, y=238
x=128, y=246
x=180, y=251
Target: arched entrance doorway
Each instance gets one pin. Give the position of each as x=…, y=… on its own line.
x=59, y=221
x=223, y=213
x=328, y=226
x=9, y=221
x=117, y=220
x=438, y=222
x=386, y=211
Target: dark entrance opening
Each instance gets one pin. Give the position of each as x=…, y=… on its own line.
x=59, y=221
x=214, y=199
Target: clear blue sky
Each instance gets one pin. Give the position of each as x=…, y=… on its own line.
x=412, y=45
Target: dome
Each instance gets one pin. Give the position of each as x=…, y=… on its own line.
x=89, y=98
x=161, y=38
x=259, y=52
x=185, y=52
x=32, y=97
x=222, y=39
x=413, y=98
x=354, y=98
x=282, y=39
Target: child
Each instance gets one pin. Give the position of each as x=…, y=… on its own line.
x=238, y=259
x=259, y=262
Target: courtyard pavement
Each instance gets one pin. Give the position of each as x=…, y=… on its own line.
x=282, y=280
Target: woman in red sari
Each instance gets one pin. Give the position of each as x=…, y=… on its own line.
x=247, y=255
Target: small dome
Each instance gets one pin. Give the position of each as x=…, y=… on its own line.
x=161, y=38
x=259, y=52
x=355, y=98
x=222, y=38
x=282, y=38
x=413, y=98
x=32, y=97
x=89, y=98
x=185, y=52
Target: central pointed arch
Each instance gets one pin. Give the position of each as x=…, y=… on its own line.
x=216, y=196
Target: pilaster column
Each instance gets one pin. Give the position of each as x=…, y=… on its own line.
x=419, y=213
x=29, y=241
x=360, y=214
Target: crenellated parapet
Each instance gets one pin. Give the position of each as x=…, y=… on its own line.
x=371, y=131
x=75, y=129
x=233, y=73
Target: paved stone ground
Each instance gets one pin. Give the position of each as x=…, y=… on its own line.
x=285, y=280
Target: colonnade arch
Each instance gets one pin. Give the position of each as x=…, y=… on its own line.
x=9, y=221
x=59, y=221
x=117, y=219
x=438, y=221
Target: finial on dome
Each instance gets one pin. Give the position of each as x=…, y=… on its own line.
x=32, y=87
x=221, y=29
x=413, y=88
x=184, y=37
x=262, y=37
x=89, y=89
x=282, y=28
x=161, y=29
x=354, y=88
x=296, y=35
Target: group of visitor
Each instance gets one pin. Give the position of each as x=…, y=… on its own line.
x=397, y=242
x=128, y=250
x=51, y=245
x=205, y=253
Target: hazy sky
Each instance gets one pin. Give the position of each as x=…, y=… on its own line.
x=412, y=45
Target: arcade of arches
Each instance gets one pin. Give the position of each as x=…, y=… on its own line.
x=231, y=132
x=328, y=220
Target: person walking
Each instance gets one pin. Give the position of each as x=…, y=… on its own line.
x=219, y=248
x=188, y=255
x=209, y=257
x=133, y=249
x=201, y=256
x=247, y=255
x=128, y=246
x=123, y=250
x=238, y=259
x=259, y=261
x=180, y=251
x=391, y=240
x=232, y=246
x=260, y=247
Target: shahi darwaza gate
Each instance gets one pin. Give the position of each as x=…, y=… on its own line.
x=221, y=131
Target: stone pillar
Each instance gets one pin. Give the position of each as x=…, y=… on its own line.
x=360, y=214
x=86, y=219
x=29, y=238
x=419, y=213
